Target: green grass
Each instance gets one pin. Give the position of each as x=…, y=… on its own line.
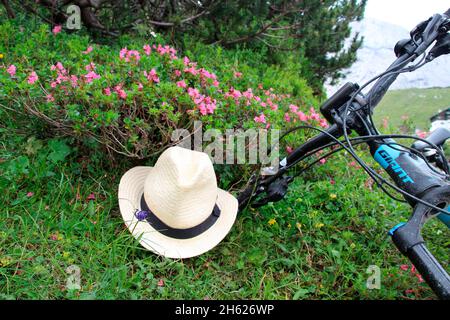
x=324, y=239
x=418, y=104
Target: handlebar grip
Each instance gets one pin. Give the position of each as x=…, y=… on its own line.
x=438, y=137
x=433, y=273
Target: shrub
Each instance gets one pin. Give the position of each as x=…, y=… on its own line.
x=130, y=98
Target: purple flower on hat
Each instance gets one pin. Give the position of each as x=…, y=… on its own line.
x=141, y=215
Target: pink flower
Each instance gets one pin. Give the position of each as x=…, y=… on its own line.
x=74, y=80
x=302, y=116
x=237, y=74
x=193, y=93
x=404, y=267
x=206, y=74
x=323, y=161
x=260, y=119
x=293, y=108
x=107, y=91
x=140, y=86
x=215, y=83
x=32, y=78
x=91, y=76
x=152, y=76
x=122, y=94
x=181, y=84
x=314, y=115
x=50, y=98
x=409, y=291
x=162, y=50
x=57, y=29
x=192, y=70
x=11, y=70
x=88, y=50
x=177, y=73
x=123, y=53
x=60, y=67
x=30, y=194
x=186, y=61
x=133, y=54
x=289, y=150
x=332, y=182
x=323, y=123
x=91, y=197
x=147, y=49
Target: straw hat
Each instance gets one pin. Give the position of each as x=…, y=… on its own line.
x=175, y=208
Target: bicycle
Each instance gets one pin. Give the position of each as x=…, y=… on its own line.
x=420, y=173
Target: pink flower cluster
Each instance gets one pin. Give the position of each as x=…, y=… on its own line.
x=405, y=267
x=91, y=75
x=11, y=70
x=206, y=105
x=151, y=76
x=120, y=92
x=32, y=78
x=129, y=55
x=147, y=49
x=191, y=68
x=62, y=76
x=166, y=50
x=267, y=102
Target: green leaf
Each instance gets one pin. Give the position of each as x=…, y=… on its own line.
x=302, y=293
x=59, y=150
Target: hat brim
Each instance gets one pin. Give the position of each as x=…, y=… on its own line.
x=131, y=188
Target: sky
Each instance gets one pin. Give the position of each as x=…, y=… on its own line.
x=405, y=13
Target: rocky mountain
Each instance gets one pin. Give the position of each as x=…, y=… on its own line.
x=377, y=54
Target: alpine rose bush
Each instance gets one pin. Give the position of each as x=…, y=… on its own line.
x=130, y=99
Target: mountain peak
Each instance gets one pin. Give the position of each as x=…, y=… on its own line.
x=377, y=53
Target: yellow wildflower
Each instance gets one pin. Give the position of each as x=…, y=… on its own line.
x=272, y=222
x=1, y=55
x=5, y=261
x=298, y=225
x=333, y=196
x=319, y=225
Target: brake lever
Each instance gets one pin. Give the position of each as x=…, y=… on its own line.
x=441, y=47
x=275, y=192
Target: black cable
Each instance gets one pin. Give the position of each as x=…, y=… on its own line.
x=375, y=176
